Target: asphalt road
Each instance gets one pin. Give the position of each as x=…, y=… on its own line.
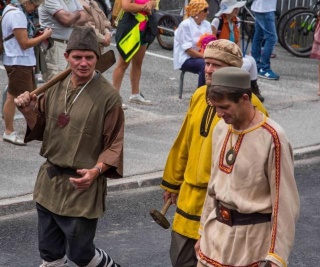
x=132, y=238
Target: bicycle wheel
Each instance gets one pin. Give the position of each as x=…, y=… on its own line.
x=213, y=9
x=248, y=22
x=284, y=17
x=166, y=26
x=298, y=31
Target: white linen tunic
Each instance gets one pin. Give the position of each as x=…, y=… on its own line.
x=261, y=180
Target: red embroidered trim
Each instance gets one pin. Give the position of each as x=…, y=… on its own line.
x=277, y=146
x=217, y=264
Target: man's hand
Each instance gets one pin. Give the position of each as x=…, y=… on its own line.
x=107, y=39
x=173, y=196
x=148, y=7
x=47, y=32
x=25, y=102
x=88, y=176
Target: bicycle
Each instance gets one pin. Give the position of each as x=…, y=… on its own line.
x=298, y=29
x=284, y=17
x=168, y=22
x=247, y=20
x=298, y=32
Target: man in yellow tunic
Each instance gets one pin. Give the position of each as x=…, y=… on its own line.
x=252, y=203
x=187, y=170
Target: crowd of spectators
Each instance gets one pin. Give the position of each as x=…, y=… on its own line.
x=56, y=19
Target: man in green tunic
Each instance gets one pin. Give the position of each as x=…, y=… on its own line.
x=80, y=122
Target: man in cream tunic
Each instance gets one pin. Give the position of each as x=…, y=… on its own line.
x=252, y=203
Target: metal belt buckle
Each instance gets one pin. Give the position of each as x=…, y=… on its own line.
x=265, y=263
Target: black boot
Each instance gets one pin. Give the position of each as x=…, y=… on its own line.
x=255, y=89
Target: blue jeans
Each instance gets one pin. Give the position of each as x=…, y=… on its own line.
x=264, y=27
x=195, y=65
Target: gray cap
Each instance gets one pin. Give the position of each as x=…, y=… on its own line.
x=232, y=77
x=83, y=38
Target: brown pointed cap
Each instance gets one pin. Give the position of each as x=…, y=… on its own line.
x=83, y=38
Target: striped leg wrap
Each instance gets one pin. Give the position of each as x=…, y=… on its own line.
x=57, y=263
x=102, y=259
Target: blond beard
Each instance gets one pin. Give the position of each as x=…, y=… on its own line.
x=208, y=78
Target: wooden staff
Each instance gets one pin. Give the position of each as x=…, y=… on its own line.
x=104, y=63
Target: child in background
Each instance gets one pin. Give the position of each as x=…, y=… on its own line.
x=226, y=25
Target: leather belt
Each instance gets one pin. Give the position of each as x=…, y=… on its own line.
x=55, y=170
x=60, y=40
x=232, y=217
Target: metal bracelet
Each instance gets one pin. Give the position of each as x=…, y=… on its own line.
x=100, y=170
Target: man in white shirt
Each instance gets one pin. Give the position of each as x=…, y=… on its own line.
x=60, y=16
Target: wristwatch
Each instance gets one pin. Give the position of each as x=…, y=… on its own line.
x=265, y=263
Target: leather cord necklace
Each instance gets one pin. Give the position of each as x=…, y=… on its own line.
x=231, y=154
x=64, y=118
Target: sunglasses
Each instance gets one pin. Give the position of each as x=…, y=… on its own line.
x=205, y=10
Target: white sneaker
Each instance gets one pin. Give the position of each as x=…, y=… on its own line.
x=14, y=139
x=124, y=106
x=40, y=80
x=139, y=99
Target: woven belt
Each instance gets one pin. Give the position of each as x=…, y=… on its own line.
x=60, y=40
x=232, y=217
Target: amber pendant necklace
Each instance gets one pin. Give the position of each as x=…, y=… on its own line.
x=231, y=154
x=64, y=118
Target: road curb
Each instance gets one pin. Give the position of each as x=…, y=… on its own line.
x=25, y=203
x=306, y=152
x=136, y=181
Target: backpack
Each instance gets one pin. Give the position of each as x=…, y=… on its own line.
x=219, y=27
x=1, y=37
